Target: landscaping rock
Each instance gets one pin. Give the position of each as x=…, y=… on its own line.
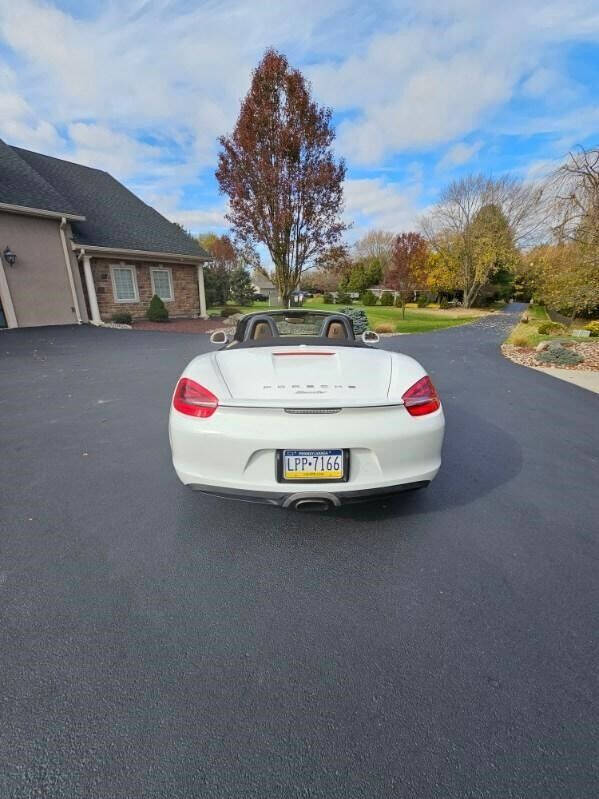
x=542, y=345
x=232, y=320
x=114, y=325
x=589, y=350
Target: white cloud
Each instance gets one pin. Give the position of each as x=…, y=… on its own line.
x=19, y=122
x=115, y=152
x=199, y=219
x=459, y=154
x=442, y=70
x=144, y=89
x=374, y=202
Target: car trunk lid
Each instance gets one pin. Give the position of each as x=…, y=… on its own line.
x=322, y=376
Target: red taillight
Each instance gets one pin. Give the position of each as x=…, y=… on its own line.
x=421, y=398
x=193, y=399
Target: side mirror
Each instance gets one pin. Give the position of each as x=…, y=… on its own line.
x=219, y=337
x=370, y=337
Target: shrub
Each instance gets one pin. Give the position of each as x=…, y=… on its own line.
x=520, y=341
x=328, y=298
x=422, y=301
x=157, y=311
x=368, y=298
x=384, y=327
x=398, y=301
x=242, y=291
x=593, y=327
x=560, y=356
x=444, y=303
x=386, y=298
x=343, y=298
x=358, y=317
x=550, y=328
x=229, y=310
x=122, y=318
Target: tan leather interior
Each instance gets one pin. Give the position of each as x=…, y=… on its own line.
x=261, y=330
x=336, y=330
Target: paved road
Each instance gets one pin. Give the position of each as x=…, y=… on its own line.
x=157, y=643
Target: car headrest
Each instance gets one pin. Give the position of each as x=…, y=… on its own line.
x=336, y=330
x=261, y=330
x=337, y=326
x=260, y=326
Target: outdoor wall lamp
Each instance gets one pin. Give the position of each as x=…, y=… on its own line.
x=9, y=256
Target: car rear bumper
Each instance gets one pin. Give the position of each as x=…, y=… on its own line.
x=233, y=453
x=313, y=499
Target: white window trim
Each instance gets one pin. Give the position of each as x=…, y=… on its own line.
x=169, y=271
x=133, y=271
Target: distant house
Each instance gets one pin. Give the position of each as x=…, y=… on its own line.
x=262, y=285
x=411, y=295
x=379, y=290
x=78, y=246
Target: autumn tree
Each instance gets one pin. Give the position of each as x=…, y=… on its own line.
x=227, y=256
x=478, y=222
x=575, y=199
x=217, y=274
x=376, y=245
x=329, y=269
x=277, y=168
x=575, y=190
x=564, y=279
x=408, y=264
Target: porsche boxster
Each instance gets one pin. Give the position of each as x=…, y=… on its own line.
x=296, y=410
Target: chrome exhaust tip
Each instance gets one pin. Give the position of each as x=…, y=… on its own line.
x=312, y=502
x=312, y=505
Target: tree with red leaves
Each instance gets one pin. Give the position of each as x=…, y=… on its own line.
x=285, y=188
x=406, y=271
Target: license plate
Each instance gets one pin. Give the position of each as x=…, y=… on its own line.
x=313, y=464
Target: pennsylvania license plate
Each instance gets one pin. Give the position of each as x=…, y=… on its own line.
x=313, y=464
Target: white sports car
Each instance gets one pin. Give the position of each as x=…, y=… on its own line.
x=296, y=411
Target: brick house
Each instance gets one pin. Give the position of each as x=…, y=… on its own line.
x=77, y=246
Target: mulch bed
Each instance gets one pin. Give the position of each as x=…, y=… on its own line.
x=181, y=325
x=526, y=357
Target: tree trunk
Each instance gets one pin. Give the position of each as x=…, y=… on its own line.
x=470, y=295
x=573, y=317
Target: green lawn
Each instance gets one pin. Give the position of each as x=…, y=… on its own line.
x=417, y=320
x=526, y=334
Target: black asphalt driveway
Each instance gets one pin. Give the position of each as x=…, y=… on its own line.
x=158, y=643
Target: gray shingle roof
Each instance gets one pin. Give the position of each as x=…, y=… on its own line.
x=114, y=216
x=262, y=281
x=22, y=185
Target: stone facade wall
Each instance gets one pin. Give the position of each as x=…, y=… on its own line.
x=186, y=302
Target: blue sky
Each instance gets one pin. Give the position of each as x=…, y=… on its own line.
x=422, y=91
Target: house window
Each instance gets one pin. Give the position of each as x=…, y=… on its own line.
x=124, y=283
x=162, y=283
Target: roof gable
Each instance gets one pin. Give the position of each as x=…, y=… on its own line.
x=262, y=281
x=115, y=218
